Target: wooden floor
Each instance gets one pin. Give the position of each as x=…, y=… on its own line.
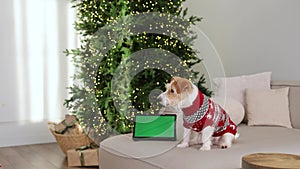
x=40, y=156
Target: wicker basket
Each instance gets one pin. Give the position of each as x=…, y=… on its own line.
x=67, y=142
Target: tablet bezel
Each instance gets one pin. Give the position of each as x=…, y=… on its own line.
x=137, y=138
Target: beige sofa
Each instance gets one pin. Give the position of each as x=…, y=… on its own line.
x=121, y=152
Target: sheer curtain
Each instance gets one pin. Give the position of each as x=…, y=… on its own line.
x=34, y=72
x=43, y=29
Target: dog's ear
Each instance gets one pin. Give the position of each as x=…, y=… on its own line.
x=187, y=86
x=182, y=85
x=175, y=78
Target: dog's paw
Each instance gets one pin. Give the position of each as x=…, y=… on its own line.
x=205, y=148
x=183, y=145
x=224, y=146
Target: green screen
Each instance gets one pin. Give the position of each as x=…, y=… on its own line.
x=155, y=126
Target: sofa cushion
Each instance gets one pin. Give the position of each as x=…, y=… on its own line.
x=234, y=87
x=120, y=151
x=268, y=107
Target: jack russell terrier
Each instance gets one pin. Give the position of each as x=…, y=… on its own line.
x=200, y=114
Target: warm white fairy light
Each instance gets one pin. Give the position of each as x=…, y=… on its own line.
x=99, y=122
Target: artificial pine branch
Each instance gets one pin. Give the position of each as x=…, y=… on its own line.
x=100, y=112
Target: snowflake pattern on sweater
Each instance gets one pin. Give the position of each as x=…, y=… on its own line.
x=204, y=112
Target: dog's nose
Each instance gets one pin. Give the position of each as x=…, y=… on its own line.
x=161, y=100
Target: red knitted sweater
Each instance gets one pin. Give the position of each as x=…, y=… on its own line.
x=204, y=112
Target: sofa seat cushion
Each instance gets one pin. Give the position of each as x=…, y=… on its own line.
x=122, y=152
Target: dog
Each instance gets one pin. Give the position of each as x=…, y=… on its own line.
x=200, y=114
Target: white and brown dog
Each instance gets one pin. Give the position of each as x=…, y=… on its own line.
x=200, y=114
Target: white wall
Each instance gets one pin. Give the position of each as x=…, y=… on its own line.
x=253, y=35
x=32, y=65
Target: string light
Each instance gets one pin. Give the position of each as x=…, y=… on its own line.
x=94, y=104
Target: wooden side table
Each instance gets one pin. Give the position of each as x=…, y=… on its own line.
x=271, y=161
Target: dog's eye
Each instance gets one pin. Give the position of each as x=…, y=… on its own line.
x=172, y=91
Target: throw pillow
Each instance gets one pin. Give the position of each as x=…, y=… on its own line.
x=233, y=107
x=268, y=107
x=234, y=87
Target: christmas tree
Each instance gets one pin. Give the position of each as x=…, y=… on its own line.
x=130, y=50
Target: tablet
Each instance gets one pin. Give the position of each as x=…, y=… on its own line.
x=155, y=127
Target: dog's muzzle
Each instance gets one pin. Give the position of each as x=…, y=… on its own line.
x=162, y=99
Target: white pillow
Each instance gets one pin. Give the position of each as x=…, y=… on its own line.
x=268, y=107
x=234, y=87
x=233, y=107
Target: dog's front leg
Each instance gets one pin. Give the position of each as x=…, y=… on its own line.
x=195, y=138
x=207, y=133
x=186, y=138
